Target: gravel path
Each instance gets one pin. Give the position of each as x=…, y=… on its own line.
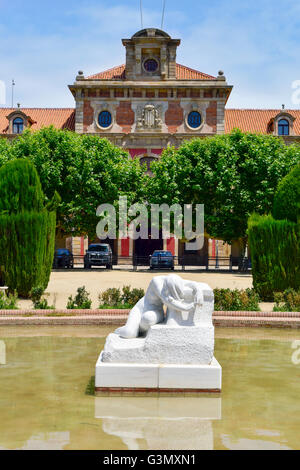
x=65, y=283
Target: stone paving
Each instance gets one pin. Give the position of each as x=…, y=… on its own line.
x=65, y=282
x=118, y=317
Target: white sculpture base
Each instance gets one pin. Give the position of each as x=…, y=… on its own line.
x=162, y=378
x=163, y=344
x=177, y=352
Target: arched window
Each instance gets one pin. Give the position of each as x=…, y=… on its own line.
x=147, y=161
x=18, y=125
x=283, y=127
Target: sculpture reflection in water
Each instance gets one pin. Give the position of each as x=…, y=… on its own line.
x=2, y=353
x=160, y=423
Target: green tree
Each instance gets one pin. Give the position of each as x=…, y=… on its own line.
x=84, y=169
x=232, y=175
x=27, y=228
x=287, y=197
x=275, y=255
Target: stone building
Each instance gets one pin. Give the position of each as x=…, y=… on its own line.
x=145, y=105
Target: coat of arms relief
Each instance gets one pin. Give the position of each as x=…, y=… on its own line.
x=149, y=117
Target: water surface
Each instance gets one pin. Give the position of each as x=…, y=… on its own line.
x=46, y=401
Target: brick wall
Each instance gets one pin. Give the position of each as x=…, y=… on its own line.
x=211, y=115
x=88, y=115
x=174, y=116
x=104, y=93
x=125, y=116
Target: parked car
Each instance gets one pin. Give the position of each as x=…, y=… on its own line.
x=63, y=258
x=98, y=254
x=161, y=259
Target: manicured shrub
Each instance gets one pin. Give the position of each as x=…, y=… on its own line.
x=110, y=297
x=36, y=293
x=27, y=228
x=8, y=302
x=225, y=299
x=39, y=302
x=287, y=198
x=234, y=300
x=20, y=188
x=275, y=254
x=81, y=300
x=131, y=297
x=287, y=301
x=114, y=298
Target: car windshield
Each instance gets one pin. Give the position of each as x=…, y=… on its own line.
x=162, y=253
x=98, y=248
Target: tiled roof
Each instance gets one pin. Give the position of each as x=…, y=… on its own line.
x=61, y=118
x=186, y=73
x=182, y=73
x=248, y=120
x=116, y=73
x=257, y=120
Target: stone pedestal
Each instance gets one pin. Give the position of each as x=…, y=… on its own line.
x=169, y=359
x=163, y=344
x=160, y=378
x=174, y=356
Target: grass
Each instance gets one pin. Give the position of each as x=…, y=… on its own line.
x=118, y=306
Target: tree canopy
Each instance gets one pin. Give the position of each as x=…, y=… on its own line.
x=287, y=197
x=86, y=171
x=232, y=175
x=27, y=228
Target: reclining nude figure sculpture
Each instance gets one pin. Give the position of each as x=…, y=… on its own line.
x=171, y=324
x=177, y=294
x=166, y=344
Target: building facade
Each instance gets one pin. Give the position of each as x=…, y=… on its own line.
x=147, y=104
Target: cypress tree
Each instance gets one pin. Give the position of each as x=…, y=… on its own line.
x=287, y=198
x=27, y=228
x=274, y=241
x=275, y=255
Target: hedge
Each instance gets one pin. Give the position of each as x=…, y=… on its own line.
x=287, y=198
x=275, y=255
x=27, y=229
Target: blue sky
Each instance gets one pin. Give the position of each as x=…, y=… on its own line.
x=44, y=43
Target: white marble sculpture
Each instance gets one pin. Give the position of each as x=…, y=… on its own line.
x=171, y=324
x=177, y=294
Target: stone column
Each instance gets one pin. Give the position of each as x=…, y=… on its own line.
x=79, y=116
x=220, y=117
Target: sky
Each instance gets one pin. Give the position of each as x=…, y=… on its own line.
x=44, y=43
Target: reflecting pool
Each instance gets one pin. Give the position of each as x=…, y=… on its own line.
x=47, y=402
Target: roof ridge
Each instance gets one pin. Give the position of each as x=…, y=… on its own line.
x=261, y=109
x=194, y=70
x=123, y=66
x=25, y=107
x=111, y=68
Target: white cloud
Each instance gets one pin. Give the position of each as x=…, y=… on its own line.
x=257, y=45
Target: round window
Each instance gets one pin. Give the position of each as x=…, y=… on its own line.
x=150, y=65
x=104, y=119
x=194, y=119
